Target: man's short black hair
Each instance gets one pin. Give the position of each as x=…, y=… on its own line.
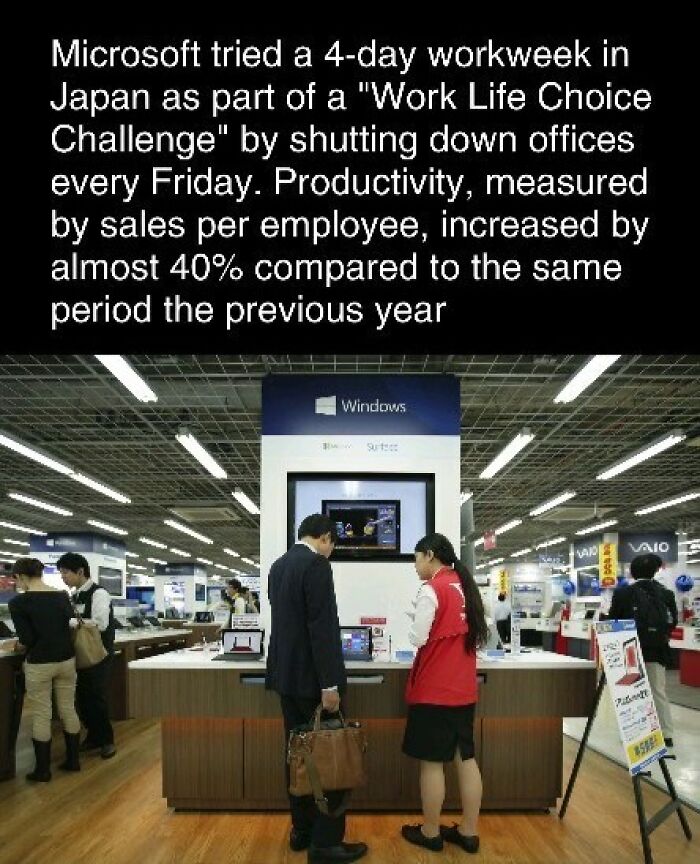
x=316, y=526
x=235, y=584
x=645, y=566
x=73, y=561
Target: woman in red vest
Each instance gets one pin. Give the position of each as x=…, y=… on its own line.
x=448, y=626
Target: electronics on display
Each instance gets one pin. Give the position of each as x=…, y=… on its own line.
x=110, y=578
x=200, y=593
x=241, y=645
x=356, y=643
x=378, y=517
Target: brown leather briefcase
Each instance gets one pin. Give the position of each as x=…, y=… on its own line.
x=326, y=756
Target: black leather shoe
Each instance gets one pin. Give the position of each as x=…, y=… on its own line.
x=87, y=746
x=107, y=751
x=668, y=742
x=452, y=835
x=414, y=835
x=299, y=840
x=341, y=852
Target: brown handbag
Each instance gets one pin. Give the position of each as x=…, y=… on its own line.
x=87, y=644
x=327, y=756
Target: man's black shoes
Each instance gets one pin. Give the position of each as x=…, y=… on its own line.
x=343, y=852
x=414, y=835
x=299, y=840
x=452, y=835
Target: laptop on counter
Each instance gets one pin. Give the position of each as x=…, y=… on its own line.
x=241, y=645
x=356, y=643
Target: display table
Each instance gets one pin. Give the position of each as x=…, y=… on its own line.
x=210, y=632
x=135, y=645
x=223, y=739
x=11, y=698
x=579, y=634
x=688, y=648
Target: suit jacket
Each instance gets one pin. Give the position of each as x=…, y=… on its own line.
x=304, y=654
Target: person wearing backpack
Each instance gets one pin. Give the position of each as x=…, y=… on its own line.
x=653, y=608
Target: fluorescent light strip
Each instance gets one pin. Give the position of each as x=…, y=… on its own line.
x=552, y=503
x=124, y=372
x=591, y=529
x=132, y=555
x=521, y=552
x=553, y=542
x=480, y=566
x=586, y=376
x=245, y=501
x=464, y=497
x=507, y=527
x=205, y=561
x=42, y=505
x=693, y=561
x=180, y=552
x=194, y=448
x=654, y=449
x=156, y=543
x=510, y=451
x=32, y=453
x=22, y=529
x=107, y=527
x=221, y=567
x=479, y=541
x=16, y=542
x=178, y=526
x=231, y=552
x=7, y=560
x=7, y=552
x=248, y=561
x=496, y=561
x=136, y=567
x=688, y=542
x=672, y=502
x=101, y=487
x=156, y=561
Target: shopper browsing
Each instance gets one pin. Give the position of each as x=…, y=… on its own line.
x=501, y=615
x=233, y=595
x=441, y=691
x=94, y=605
x=653, y=608
x=305, y=666
x=41, y=615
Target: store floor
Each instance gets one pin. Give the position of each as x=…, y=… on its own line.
x=113, y=813
x=685, y=770
x=681, y=694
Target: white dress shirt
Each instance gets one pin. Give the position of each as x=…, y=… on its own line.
x=426, y=604
x=100, y=607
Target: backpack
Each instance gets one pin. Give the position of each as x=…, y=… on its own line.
x=652, y=616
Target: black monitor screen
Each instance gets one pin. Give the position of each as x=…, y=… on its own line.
x=366, y=524
x=110, y=578
x=200, y=593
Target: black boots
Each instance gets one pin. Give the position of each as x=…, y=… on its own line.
x=42, y=771
x=72, y=762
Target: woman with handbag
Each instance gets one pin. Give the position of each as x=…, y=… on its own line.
x=441, y=692
x=41, y=616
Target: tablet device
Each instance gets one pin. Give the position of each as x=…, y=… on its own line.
x=356, y=643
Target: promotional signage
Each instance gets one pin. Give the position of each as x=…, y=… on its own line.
x=626, y=676
x=661, y=543
x=489, y=540
x=586, y=551
x=608, y=564
x=78, y=542
x=503, y=582
x=360, y=405
x=553, y=559
x=179, y=569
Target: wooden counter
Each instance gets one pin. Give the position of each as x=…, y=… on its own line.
x=223, y=739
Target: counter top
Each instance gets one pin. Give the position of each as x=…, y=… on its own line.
x=195, y=659
x=144, y=634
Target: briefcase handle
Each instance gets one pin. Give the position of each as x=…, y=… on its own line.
x=317, y=718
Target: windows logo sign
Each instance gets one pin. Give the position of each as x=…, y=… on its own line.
x=326, y=405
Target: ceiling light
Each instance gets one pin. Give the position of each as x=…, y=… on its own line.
x=136, y=566
x=7, y=552
x=479, y=541
x=693, y=561
x=672, y=502
x=248, y=561
x=521, y=552
x=156, y=561
x=231, y=552
x=22, y=529
x=190, y=443
x=510, y=451
x=205, y=561
x=32, y=453
x=688, y=542
x=221, y=567
x=591, y=529
x=647, y=452
x=586, y=376
x=101, y=487
x=465, y=496
x=245, y=501
x=480, y=566
x=156, y=543
x=129, y=377
x=552, y=503
x=180, y=552
x=7, y=560
x=15, y=542
x=178, y=526
x=553, y=542
x=42, y=505
x=132, y=555
x=507, y=527
x=107, y=527
x=496, y=561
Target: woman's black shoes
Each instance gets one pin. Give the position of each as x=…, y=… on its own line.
x=42, y=753
x=414, y=835
x=452, y=835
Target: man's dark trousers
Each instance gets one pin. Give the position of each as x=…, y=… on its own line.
x=323, y=830
x=92, y=702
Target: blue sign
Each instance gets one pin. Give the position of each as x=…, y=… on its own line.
x=360, y=405
x=78, y=542
x=180, y=569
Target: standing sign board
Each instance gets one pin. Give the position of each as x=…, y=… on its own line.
x=625, y=672
x=608, y=564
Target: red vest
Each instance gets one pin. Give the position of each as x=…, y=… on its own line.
x=443, y=673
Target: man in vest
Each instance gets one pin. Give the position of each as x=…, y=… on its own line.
x=92, y=692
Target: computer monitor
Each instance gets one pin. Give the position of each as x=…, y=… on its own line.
x=110, y=578
x=356, y=643
x=242, y=641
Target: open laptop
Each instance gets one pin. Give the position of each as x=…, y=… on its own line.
x=356, y=643
x=241, y=645
x=633, y=672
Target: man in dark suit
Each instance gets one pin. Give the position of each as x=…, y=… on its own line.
x=305, y=666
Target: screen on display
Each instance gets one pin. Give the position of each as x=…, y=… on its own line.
x=356, y=643
x=200, y=593
x=242, y=641
x=588, y=584
x=110, y=578
x=378, y=517
x=145, y=595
